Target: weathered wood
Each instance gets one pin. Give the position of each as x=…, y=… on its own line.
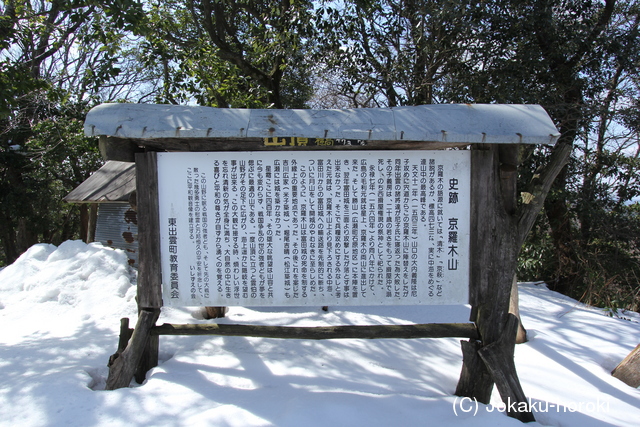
x=149, y=269
x=481, y=183
x=93, y=219
x=125, y=334
x=144, y=348
x=123, y=340
x=214, y=312
x=149, y=359
x=113, y=182
x=118, y=149
x=474, y=376
x=494, y=248
x=431, y=330
x=628, y=371
x=498, y=356
x=475, y=380
x=514, y=308
x=508, y=155
x=257, y=144
x=123, y=367
x=493, y=251
x=84, y=223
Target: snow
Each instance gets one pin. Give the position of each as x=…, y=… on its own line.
x=59, y=314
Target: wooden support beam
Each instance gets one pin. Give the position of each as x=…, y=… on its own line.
x=117, y=149
x=494, y=250
x=124, y=365
x=125, y=335
x=149, y=358
x=431, y=330
x=628, y=371
x=93, y=220
x=149, y=270
x=141, y=352
x=498, y=357
x=475, y=380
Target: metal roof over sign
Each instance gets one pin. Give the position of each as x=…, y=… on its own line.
x=441, y=123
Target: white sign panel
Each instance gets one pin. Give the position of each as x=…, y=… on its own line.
x=292, y=228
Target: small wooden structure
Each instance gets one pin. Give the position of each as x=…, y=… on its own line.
x=110, y=193
x=492, y=133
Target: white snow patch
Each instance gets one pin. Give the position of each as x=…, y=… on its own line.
x=60, y=310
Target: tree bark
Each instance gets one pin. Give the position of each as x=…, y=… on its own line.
x=9, y=241
x=562, y=236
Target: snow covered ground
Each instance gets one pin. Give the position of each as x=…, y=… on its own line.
x=59, y=320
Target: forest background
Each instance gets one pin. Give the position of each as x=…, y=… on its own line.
x=578, y=59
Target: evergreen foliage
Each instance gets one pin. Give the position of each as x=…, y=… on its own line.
x=55, y=58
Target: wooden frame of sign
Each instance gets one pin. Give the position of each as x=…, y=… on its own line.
x=488, y=352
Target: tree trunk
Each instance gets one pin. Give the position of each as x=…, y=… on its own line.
x=93, y=220
x=562, y=235
x=25, y=236
x=84, y=222
x=9, y=241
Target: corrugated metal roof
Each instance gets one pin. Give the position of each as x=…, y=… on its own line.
x=451, y=123
x=113, y=182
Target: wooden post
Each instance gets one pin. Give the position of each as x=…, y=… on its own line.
x=125, y=334
x=498, y=357
x=628, y=371
x=124, y=366
x=149, y=357
x=494, y=249
x=141, y=353
x=93, y=219
x=475, y=380
x=149, y=270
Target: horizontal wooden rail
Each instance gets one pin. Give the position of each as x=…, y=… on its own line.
x=429, y=330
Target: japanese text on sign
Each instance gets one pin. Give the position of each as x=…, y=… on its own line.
x=321, y=228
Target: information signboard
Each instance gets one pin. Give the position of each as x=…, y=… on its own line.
x=293, y=228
